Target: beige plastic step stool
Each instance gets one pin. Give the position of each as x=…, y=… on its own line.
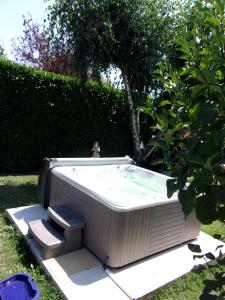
x=61, y=233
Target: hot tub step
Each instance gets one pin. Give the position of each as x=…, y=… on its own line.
x=65, y=217
x=45, y=235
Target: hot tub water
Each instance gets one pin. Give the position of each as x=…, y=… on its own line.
x=123, y=185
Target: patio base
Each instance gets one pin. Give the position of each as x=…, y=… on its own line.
x=81, y=276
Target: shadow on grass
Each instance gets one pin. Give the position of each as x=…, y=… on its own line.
x=17, y=195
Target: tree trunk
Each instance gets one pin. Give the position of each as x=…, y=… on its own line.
x=134, y=117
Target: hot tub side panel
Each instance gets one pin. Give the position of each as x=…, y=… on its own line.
x=119, y=238
x=169, y=227
x=143, y=232
x=103, y=234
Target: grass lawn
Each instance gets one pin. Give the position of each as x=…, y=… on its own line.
x=15, y=256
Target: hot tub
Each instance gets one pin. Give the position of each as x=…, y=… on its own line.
x=125, y=208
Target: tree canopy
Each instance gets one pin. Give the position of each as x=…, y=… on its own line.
x=129, y=35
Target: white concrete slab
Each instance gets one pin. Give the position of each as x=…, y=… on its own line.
x=81, y=276
x=71, y=263
x=21, y=216
x=145, y=276
x=90, y=284
x=88, y=280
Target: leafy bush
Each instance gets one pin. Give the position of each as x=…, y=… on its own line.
x=44, y=114
x=191, y=116
x=190, y=124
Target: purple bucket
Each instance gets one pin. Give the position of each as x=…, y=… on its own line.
x=19, y=287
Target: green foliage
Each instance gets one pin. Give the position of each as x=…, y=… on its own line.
x=190, y=121
x=190, y=116
x=128, y=35
x=44, y=114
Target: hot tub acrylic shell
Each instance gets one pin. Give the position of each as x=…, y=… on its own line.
x=120, y=234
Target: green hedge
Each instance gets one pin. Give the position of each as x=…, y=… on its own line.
x=47, y=115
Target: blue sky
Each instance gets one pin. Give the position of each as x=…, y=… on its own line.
x=11, y=20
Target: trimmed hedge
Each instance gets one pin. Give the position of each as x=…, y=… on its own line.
x=47, y=115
